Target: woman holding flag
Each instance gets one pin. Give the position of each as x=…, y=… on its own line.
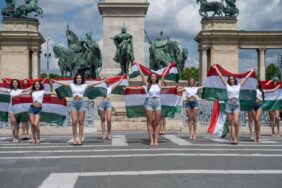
x=191, y=106
x=15, y=91
x=78, y=88
x=105, y=109
x=35, y=109
x=153, y=104
x=232, y=107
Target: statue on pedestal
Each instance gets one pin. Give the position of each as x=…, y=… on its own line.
x=218, y=8
x=164, y=51
x=124, y=50
x=30, y=6
x=82, y=56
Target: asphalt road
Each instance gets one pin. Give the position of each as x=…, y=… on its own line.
x=128, y=162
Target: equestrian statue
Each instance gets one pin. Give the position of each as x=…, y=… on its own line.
x=30, y=6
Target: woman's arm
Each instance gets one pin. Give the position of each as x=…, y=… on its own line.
x=43, y=81
x=220, y=75
x=142, y=75
x=7, y=81
x=50, y=93
x=165, y=72
x=243, y=81
x=200, y=88
x=61, y=83
x=272, y=90
x=5, y=91
x=117, y=84
x=97, y=83
x=27, y=89
x=268, y=82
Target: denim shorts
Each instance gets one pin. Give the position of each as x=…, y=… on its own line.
x=153, y=104
x=34, y=110
x=190, y=105
x=78, y=106
x=10, y=109
x=105, y=105
x=257, y=106
x=232, y=107
x=146, y=102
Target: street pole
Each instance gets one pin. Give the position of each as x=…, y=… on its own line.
x=48, y=55
x=279, y=60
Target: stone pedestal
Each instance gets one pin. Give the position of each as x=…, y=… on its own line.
x=20, y=48
x=117, y=13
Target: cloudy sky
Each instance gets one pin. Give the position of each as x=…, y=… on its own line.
x=179, y=19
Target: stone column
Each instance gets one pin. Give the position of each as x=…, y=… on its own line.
x=35, y=64
x=203, y=64
x=261, y=63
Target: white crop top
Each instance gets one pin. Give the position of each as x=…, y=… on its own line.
x=15, y=92
x=233, y=91
x=78, y=90
x=109, y=91
x=191, y=91
x=259, y=95
x=155, y=90
x=146, y=91
x=37, y=96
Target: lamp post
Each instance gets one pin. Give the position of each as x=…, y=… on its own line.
x=279, y=60
x=47, y=55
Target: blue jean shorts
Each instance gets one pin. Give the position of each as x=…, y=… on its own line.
x=78, y=106
x=190, y=105
x=257, y=106
x=232, y=107
x=105, y=105
x=11, y=109
x=34, y=110
x=146, y=102
x=153, y=104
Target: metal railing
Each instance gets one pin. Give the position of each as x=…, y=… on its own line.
x=89, y=119
x=205, y=113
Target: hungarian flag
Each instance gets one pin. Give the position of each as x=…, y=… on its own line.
x=4, y=101
x=134, y=102
x=170, y=74
x=272, y=100
x=45, y=82
x=54, y=110
x=92, y=92
x=218, y=124
x=214, y=88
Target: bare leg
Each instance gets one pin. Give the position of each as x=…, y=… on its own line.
x=230, y=120
x=277, y=120
x=257, y=116
x=109, y=123
x=236, y=124
x=271, y=121
x=157, y=126
x=32, y=120
x=74, y=116
x=195, y=113
x=102, y=117
x=81, y=126
x=190, y=123
x=14, y=127
x=150, y=122
x=250, y=123
x=37, y=128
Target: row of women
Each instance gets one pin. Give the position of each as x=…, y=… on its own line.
x=152, y=106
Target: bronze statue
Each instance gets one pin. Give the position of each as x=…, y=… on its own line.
x=9, y=10
x=30, y=6
x=218, y=8
x=164, y=51
x=82, y=56
x=124, y=50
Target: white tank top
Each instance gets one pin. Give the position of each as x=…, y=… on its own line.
x=155, y=90
x=259, y=95
x=146, y=91
x=233, y=91
x=109, y=91
x=78, y=90
x=191, y=91
x=15, y=92
x=37, y=96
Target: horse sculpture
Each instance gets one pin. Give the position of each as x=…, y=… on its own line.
x=215, y=7
x=9, y=10
x=29, y=7
x=125, y=57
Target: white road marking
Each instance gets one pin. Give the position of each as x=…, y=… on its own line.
x=6, y=138
x=119, y=140
x=64, y=180
x=177, y=140
x=143, y=155
x=135, y=150
x=220, y=140
x=68, y=180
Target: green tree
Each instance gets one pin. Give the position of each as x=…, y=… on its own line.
x=271, y=71
x=191, y=72
x=52, y=75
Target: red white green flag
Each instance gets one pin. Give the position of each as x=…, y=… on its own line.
x=4, y=101
x=272, y=100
